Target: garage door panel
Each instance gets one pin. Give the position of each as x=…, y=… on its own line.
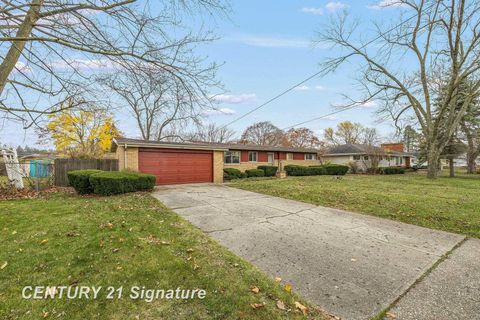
x=177, y=166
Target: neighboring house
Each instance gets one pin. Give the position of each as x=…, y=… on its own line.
x=37, y=165
x=387, y=155
x=173, y=162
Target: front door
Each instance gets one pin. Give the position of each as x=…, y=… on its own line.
x=270, y=157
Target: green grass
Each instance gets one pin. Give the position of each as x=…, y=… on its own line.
x=450, y=204
x=82, y=251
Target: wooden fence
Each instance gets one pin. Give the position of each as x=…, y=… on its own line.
x=62, y=166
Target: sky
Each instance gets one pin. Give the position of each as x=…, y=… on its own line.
x=265, y=47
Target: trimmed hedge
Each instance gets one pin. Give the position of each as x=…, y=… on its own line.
x=114, y=182
x=255, y=173
x=329, y=169
x=270, y=171
x=232, y=173
x=393, y=170
x=336, y=169
x=79, y=180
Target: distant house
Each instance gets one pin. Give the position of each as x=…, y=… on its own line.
x=37, y=165
x=387, y=155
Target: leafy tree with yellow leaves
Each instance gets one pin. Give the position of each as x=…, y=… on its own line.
x=81, y=133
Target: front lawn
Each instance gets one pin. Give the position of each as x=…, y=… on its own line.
x=450, y=204
x=125, y=241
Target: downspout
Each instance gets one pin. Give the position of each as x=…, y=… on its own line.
x=125, y=157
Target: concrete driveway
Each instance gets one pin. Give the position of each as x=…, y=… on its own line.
x=351, y=265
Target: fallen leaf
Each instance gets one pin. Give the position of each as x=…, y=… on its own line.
x=14, y=232
x=278, y=279
x=115, y=250
x=44, y=241
x=46, y=314
x=280, y=305
x=190, y=250
x=4, y=265
x=353, y=259
x=300, y=306
x=255, y=289
x=288, y=287
x=106, y=225
x=257, y=305
x=391, y=315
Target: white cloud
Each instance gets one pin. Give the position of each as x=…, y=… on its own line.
x=368, y=104
x=22, y=67
x=334, y=6
x=315, y=11
x=387, y=4
x=221, y=111
x=271, y=41
x=83, y=64
x=302, y=88
x=331, y=118
x=235, y=99
x=307, y=88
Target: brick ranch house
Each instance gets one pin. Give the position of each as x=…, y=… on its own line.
x=175, y=163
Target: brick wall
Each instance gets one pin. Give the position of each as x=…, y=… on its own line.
x=132, y=158
x=218, y=166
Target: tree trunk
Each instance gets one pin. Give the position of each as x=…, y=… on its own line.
x=471, y=162
x=451, y=167
x=433, y=158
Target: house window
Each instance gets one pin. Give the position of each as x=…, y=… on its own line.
x=252, y=156
x=289, y=156
x=231, y=157
x=365, y=158
x=310, y=156
x=398, y=161
x=356, y=157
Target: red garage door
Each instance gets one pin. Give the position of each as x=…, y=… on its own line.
x=172, y=166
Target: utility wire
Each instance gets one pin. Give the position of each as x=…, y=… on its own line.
x=321, y=117
x=313, y=76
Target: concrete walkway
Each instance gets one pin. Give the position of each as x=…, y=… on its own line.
x=351, y=265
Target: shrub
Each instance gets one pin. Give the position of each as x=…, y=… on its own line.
x=316, y=171
x=270, y=171
x=374, y=171
x=114, y=182
x=232, y=173
x=294, y=170
x=336, y=169
x=79, y=180
x=393, y=170
x=255, y=173
x=354, y=168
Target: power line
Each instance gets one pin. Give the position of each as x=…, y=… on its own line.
x=316, y=74
x=274, y=98
x=320, y=117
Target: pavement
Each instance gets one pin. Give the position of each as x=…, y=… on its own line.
x=351, y=265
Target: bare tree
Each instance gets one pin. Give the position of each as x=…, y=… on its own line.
x=263, y=133
x=401, y=65
x=211, y=133
x=159, y=102
x=302, y=138
x=51, y=48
